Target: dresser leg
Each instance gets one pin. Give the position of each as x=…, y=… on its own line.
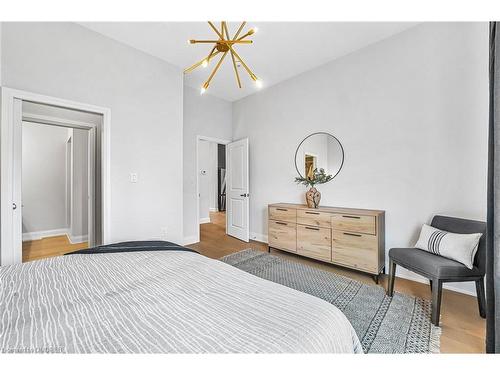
x=269, y=249
x=375, y=278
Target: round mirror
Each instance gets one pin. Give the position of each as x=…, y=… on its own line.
x=319, y=151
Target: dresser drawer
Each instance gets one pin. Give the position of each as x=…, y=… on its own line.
x=283, y=214
x=314, y=242
x=354, y=223
x=315, y=218
x=282, y=235
x=355, y=250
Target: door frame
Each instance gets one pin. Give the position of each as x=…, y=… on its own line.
x=8, y=254
x=198, y=139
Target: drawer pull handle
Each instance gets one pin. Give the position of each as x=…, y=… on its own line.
x=312, y=213
x=281, y=209
x=351, y=217
x=280, y=223
x=311, y=228
x=352, y=234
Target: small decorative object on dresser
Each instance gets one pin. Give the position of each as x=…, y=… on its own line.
x=348, y=237
x=313, y=196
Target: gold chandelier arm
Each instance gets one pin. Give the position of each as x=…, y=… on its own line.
x=253, y=76
x=207, y=83
x=239, y=30
x=215, y=29
x=236, y=70
x=251, y=32
x=224, y=29
x=209, y=57
x=194, y=66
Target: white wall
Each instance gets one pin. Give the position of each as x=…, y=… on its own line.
x=204, y=115
x=145, y=97
x=412, y=114
x=44, y=177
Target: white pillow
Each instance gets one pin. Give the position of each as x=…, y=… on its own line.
x=459, y=247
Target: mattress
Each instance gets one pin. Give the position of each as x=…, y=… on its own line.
x=160, y=302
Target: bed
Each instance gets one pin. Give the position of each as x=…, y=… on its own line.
x=158, y=297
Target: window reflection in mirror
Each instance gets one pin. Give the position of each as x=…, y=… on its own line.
x=310, y=165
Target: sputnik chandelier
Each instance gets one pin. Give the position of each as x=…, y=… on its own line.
x=225, y=44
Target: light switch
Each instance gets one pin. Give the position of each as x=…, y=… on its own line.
x=133, y=177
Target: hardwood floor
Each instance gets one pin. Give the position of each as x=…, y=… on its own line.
x=49, y=247
x=463, y=330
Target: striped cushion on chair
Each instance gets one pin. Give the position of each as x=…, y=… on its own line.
x=459, y=247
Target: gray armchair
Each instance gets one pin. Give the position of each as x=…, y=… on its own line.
x=438, y=269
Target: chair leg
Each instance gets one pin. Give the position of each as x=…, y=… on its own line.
x=430, y=284
x=437, y=287
x=481, y=298
x=392, y=276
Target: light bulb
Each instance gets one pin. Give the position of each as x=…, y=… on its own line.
x=204, y=63
x=258, y=83
x=202, y=90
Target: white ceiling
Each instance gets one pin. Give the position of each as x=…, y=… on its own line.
x=280, y=49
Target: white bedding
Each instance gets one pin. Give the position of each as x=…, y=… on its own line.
x=160, y=302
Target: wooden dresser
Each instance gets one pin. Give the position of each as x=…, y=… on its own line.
x=348, y=237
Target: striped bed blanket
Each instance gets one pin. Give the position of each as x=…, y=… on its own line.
x=160, y=302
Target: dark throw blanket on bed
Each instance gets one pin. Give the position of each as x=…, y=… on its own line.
x=130, y=246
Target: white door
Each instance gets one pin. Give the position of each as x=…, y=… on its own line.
x=237, y=190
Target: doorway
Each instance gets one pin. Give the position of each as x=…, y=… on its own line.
x=229, y=174
x=211, y=180
x=57, y=173
x=55, y=176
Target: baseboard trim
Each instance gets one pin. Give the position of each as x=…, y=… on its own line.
x=212, y=209
x=32, y=236
x=259, y=237
x=404, y=274
x=190, y=240
x=205, y=220
x=78, y=239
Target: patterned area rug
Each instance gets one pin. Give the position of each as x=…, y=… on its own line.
x=400, y=324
